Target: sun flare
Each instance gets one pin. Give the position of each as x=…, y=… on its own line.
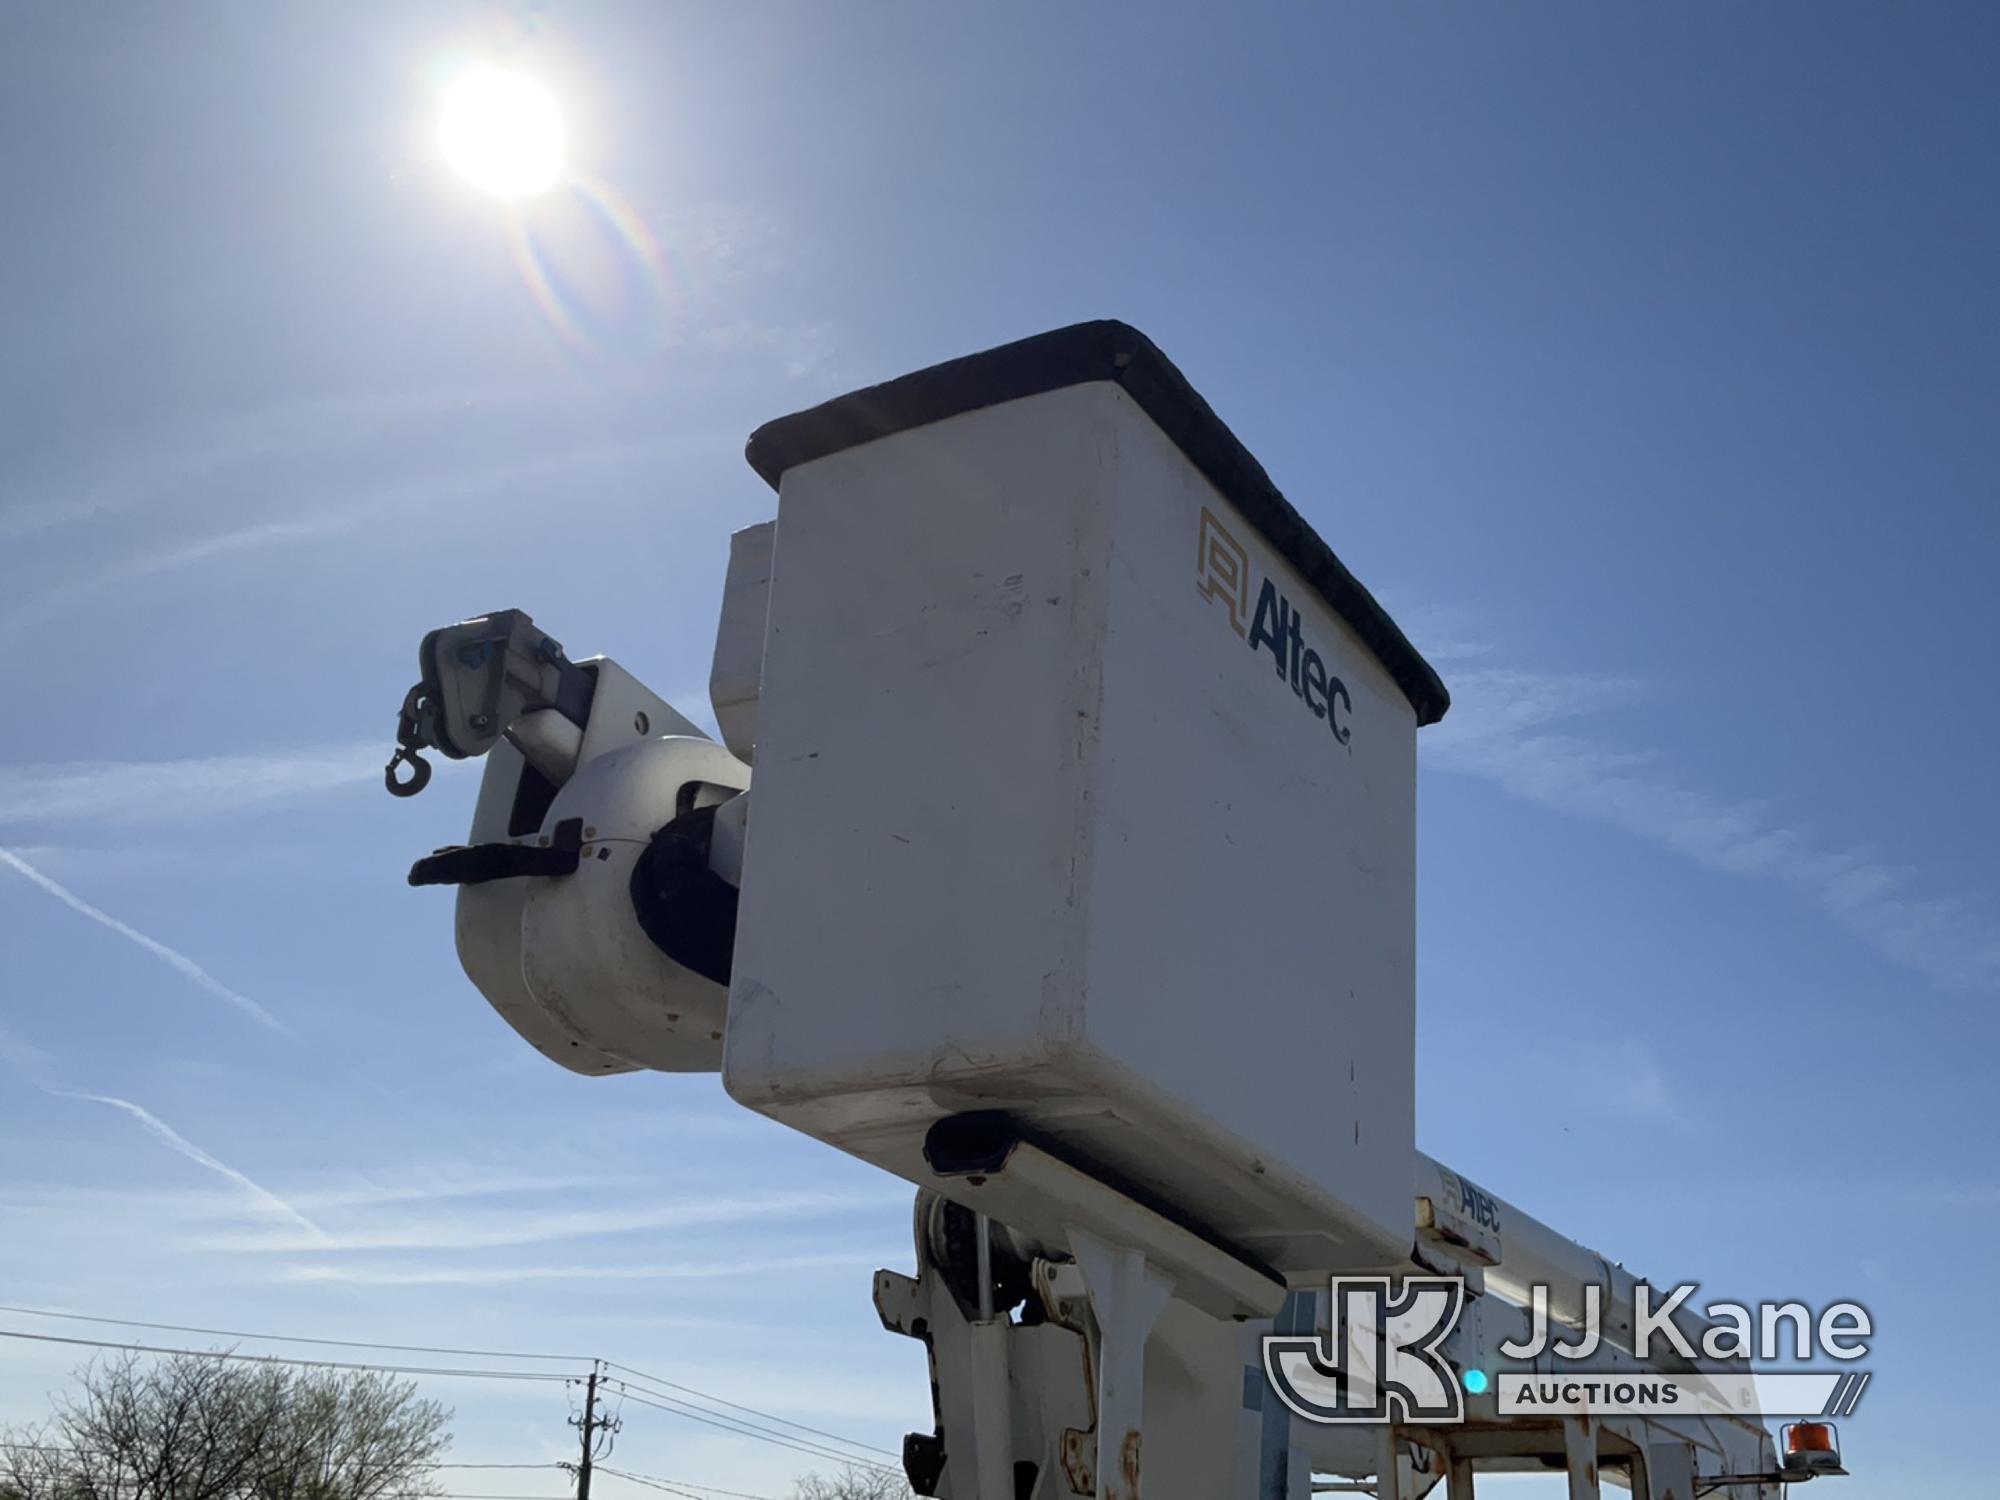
x=501, y=132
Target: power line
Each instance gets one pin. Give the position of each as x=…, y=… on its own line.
x=738, y=1406
x=668, y=1404
x=288, y=1338
x=684, y=1485
x=434, y=1495
x=759, y=1434
x=732, y=1424
x=280, y=1359
x=658, y=1484
x=105, y=1453
x=427, y=1464
x=284, y=1338
x=672, y=1486
x=678, y=1401
x=750, y=1430
x=93, y=1453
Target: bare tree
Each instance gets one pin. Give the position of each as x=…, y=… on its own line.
x=191, y=1427
x=854, y=1482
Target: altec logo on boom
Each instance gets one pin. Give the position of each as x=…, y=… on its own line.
x=1222, y=571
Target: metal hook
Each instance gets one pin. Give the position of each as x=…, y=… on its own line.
x=420, y=773
x=410, y=738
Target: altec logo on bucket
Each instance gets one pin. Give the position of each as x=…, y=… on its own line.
x=1222, y=571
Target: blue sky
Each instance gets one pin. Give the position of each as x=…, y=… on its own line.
x=1644, y=361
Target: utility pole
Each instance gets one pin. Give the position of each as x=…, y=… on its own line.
x=589, y=1425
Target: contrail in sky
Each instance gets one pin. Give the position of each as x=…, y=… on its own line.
x=179, y=962
x=178, y=1142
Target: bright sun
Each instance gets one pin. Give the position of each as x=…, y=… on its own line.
x=501, y=132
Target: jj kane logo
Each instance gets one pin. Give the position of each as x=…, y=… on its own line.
x=1222, y=571
x=1387, y=1355
x=1381, y=1361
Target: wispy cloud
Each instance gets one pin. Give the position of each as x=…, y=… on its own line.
x=463, y=1275
x=17, y=1052
x=128, y=471
x=498, y=1229
x=179, y=962
x=175, y=1141
x=1525, y=731
x=1446, y=634
x=399, y=501
x=805, y=349
x=432, y=1183
x=1957, y=1195
x=1623, y=1079
x=115, y=791
x=189, y=1215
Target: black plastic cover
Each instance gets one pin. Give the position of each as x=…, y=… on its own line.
x=684, y=907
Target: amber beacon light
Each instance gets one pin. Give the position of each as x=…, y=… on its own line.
x=1813, y=1447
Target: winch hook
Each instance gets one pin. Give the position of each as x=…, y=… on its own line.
x=420, y=773
x=409, y=741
